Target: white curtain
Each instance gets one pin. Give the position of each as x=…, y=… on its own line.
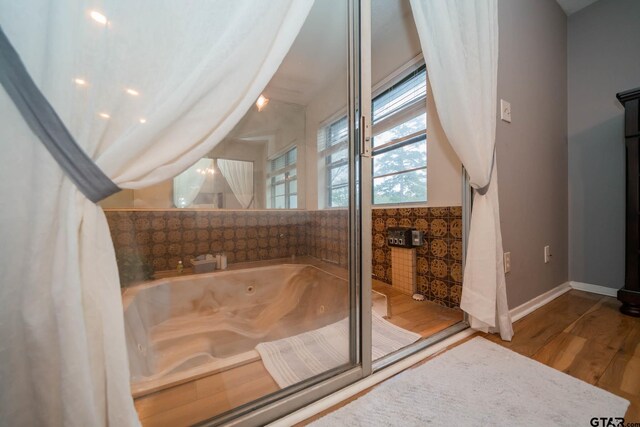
x=146, y=91
x=239, y=175
x=188, y=184
x=459, y=40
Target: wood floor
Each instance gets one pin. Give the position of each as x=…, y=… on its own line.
x=423, y=317
x=583, y=335
x=209, y=396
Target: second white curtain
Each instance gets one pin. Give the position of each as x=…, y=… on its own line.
x=459, y=40
x=239, y=175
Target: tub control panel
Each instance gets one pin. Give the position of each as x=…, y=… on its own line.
x=404, y=237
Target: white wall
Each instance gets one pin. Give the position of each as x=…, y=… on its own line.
x=604, y=59
x=532, y=149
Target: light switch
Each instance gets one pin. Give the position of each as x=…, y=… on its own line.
x=507, y=262
x=505, y=111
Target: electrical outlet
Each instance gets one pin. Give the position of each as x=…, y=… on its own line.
x=507, y=262
x=505, y=111
x=547, y=254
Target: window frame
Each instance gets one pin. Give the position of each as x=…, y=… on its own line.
x=388, y=121
x=285, y=170
x=395, y=118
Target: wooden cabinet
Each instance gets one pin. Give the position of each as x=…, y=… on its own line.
x=630, y=294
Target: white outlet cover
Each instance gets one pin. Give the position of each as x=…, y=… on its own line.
x=505, y=111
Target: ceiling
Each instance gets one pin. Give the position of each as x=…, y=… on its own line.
x=319, y=54
x=572, y=6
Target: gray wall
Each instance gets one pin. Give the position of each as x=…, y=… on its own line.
x=532, y=150
x=604, y=58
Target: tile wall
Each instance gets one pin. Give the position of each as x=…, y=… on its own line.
x=439, y=260
x=159, y=239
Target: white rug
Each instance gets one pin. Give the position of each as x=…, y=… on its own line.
x=479, y=383
x=291, y=360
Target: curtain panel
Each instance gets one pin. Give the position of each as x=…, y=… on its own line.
x=239, y=175
x=188, y=184
x=146, y=88
x=459, y=39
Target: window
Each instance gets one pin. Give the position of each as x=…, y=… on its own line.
x=399, y=146
x=400, y=141
x=332, y=145
x=283, y=181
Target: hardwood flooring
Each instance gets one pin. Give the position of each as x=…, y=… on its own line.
x=583, y=335
x=423, y=317
x=206, y=397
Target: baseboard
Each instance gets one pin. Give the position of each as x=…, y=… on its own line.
x=594, y=289
x=520, y=311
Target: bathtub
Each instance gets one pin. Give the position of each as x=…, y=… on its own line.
x=182, y=328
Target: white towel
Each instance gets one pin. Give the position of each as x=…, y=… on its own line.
x=291, y=360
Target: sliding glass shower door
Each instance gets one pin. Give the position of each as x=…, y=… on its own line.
x=245, y=275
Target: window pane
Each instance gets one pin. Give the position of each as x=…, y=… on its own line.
x=338, y=175
x=292, y=174
x=400, y=159
x=338, y=132
x=339, y=197
x=408, y=187
x=279, y=202
x=293, y=201
x=277, y=163
x=405, y=92
x=291, y=156
x=338, y=156
x=293, y=186
x=409, y=127
x=279, y=189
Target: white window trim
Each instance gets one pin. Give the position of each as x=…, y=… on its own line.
x=270, y=174
x=408, y=112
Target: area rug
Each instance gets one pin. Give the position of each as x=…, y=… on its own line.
x=291, y=360
x=480, y=383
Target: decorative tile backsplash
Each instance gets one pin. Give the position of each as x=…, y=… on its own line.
x=165, y=237
x=328, y=236
x=156, y=240
x=439, y=260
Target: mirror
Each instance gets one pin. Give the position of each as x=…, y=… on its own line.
x=254, y=167
x=215, y=183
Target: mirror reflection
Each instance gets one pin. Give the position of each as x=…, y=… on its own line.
x=254, y=167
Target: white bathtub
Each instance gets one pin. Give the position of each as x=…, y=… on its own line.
x=182, y=328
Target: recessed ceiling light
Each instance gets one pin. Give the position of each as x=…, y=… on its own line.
x=133, y=92
x=104, y=115
x=98, y=17
x=143, y=120
x=262, y=102
x=80, y=82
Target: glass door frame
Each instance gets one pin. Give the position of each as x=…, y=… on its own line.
x=283, y=402
x=279, y=404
